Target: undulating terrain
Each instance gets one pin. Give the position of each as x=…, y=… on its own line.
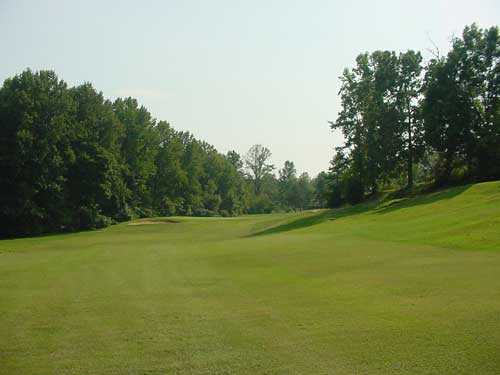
x=397, y=286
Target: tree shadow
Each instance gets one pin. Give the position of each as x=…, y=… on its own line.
x=390, y=205
x=302, y=222
x=376, y=206
x=318, y=218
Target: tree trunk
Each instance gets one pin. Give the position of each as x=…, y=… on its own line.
x=257, y=186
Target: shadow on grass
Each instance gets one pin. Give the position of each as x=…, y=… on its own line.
x=431, y=197
x=67, y=232
x=62, y=232
x=302, y=222
x=318, y=218
x=376, y=205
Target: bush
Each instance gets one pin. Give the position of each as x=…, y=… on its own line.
x=171, y=207
x=143, y=212
x=90, y=217
x=123, y=214
x=225, y=213
x=203, y=212
x=260, y=204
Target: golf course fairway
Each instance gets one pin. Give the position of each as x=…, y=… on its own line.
x=408, y=286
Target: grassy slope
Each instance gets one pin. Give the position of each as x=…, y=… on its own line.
x=408, y=286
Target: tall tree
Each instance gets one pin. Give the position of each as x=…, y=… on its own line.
x=257, y=162
x=408, y=92
x=36, y=121
x=305, y=192
x=460, y=106
x=235, y=159
x=288, y=188
x=95, y=177
x=170, y=180
x=321, y=185
x=368, y=118
x=139, y=148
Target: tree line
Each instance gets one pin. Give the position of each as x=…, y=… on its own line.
x=404, y=121
x=71, y=159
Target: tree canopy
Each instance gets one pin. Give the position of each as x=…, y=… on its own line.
x=399, y=117
x=71, y=159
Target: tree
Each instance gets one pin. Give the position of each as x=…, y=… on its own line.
x=71, y=159
x=139, y=148
x=36, y=121
x=287, y=182
x=368, y=118
x=378, y=118
x=321, y=186
x=96, y=187
x=192, y=162
x=257, y=162
x=233, y=192
x=170, y=180
x=235, y=159
x=409, y=88
x=305, y=192
x=338, y=173
x=460, y=105
x=392, y=118
x=288, y=173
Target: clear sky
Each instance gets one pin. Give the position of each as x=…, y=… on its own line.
x=234, y=73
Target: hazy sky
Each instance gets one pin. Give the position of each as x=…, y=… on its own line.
x=234, y=73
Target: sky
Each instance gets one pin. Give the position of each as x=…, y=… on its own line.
x=233, y=73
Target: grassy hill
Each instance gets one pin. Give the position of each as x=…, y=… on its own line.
x=401, y=286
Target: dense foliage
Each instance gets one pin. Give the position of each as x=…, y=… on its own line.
x=402, y=121
x=70, y=159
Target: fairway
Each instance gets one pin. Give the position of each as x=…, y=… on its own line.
x=407, y=287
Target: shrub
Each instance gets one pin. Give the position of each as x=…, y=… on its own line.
x=203, y=212
x=225, y=213
x=90, y=217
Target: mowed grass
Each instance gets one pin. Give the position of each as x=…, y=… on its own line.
x=407, y=287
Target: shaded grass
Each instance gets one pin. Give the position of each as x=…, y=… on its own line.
x=364, y=290
x=464, y=217
x=306, y=219
x=430, y=198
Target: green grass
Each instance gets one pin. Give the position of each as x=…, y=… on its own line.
x=406, y=286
